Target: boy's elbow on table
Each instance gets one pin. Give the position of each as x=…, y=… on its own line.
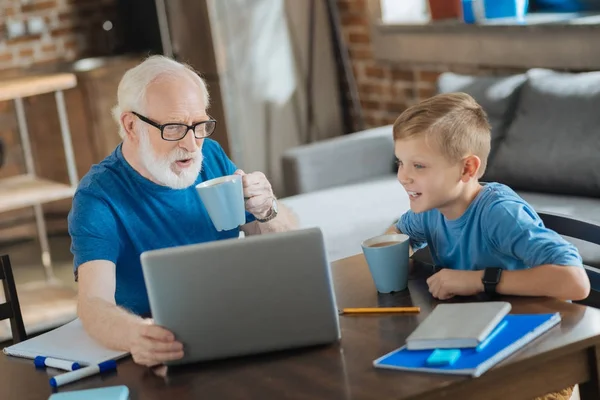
x=580, y=283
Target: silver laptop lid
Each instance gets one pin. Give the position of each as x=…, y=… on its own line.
x=244, y=296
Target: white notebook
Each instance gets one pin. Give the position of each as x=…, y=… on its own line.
x=457, y=325
x=69, y=342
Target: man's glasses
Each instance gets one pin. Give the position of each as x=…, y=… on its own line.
x=175, y=131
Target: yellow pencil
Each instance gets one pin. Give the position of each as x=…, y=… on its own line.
x=380, y=310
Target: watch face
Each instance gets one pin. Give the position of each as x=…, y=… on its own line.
x=275, y=205
x=492, y=275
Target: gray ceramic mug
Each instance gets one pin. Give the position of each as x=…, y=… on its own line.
x=388, y=259
x=224, y=200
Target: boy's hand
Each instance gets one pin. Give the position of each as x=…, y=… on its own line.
x=448, y=283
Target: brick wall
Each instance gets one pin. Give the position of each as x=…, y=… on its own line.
x=385, y=89
x=73, y=29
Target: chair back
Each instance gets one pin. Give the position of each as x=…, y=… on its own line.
x=11, y=309
x=581, y=230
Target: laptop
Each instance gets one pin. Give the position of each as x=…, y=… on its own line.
x=244, y=296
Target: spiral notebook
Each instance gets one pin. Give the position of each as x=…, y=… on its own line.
x=518, y=332
x=69, y=342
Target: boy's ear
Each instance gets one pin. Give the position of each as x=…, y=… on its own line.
x=471, y=166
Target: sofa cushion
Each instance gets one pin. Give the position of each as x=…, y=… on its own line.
x=497, y=96
x=349, y=214
x=583, y=208
x=352, y=213
x=339, y=161
x=554, y=141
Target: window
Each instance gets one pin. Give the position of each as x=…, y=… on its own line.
x=425, y=12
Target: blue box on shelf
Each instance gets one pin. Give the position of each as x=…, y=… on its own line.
x=477, y=11
x=566, y=5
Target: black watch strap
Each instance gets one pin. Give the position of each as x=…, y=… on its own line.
x=489, y=288
x=491, y=278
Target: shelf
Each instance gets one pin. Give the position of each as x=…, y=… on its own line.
x=555, y=22
x=34, y=85
x=26, y=190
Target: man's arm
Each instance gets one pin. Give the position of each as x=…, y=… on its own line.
x=259, y=202
x=113, y=326
x=285, y=220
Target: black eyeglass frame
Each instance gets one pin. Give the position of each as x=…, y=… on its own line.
x=162, y=127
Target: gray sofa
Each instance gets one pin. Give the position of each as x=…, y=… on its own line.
x=545, y=145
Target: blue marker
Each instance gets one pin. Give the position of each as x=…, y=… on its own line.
x=492, y=335
x=72, y=376
x=41, y=362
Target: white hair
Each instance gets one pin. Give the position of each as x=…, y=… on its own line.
x=132, y=88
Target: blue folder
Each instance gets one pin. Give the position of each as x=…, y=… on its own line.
x=519, y=331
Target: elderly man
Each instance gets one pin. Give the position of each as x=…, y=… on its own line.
x=142, y=197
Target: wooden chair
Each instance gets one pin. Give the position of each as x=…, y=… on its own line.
x=579, y=230
x=11, y=309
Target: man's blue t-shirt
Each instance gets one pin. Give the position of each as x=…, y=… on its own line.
x=498, y=229
x=117, y=214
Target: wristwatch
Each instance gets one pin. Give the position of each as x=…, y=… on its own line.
x=491, y=278
x=272, y=214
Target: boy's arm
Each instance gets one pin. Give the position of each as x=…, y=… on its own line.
x=556, y=267
x=560, y=281
x=512, y=228
x=393, y=230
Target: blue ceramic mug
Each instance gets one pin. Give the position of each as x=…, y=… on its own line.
x=224, y=200
x=387, y=257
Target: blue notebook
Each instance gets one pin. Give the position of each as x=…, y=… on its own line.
x=517, y=332
x=120, y=392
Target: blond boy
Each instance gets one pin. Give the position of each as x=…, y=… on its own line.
x=486, y=236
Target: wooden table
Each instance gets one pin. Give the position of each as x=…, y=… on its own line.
x=565, y=355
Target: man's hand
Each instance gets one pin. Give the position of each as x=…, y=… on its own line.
x=152, y=345
x=448, y=283
x=258, y=193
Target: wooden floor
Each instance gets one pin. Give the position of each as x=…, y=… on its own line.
x=43, y=305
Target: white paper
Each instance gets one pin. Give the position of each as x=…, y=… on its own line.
x=69, y=342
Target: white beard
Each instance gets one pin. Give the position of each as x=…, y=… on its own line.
x=163, y=169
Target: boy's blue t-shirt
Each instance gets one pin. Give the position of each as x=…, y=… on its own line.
x=117, y=214
x=498, y=229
